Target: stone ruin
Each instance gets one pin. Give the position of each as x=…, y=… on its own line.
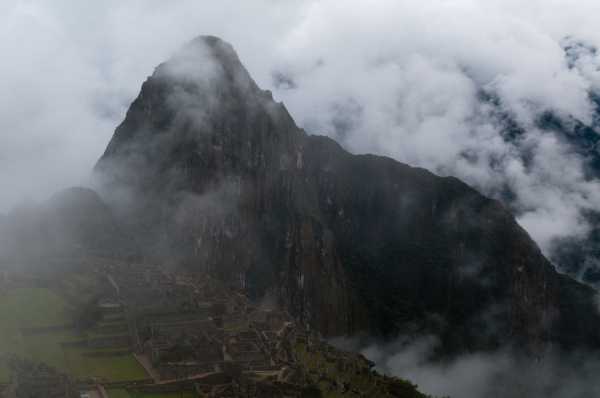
x=193, y=333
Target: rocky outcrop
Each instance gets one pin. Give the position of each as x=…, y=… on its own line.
x=209, y=171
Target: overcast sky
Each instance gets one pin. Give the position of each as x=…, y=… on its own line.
x=399, y=78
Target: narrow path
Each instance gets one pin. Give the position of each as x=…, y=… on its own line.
x=147, y=365
x=102, y=391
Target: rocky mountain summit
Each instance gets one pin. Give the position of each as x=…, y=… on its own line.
x=208, y=171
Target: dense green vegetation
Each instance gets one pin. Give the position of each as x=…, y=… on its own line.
x=358, y=378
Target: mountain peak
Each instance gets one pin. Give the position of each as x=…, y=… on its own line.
x=200, y=100
x=220, y=47
x=218, y=176
x=206, y=59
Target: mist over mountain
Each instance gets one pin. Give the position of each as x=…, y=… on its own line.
x=446, y=223
x=412, y=86
x=211, y=170
x=208, y=171
x=522, y=137
x=73, y=222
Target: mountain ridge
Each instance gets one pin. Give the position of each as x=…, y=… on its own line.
x=219, y=173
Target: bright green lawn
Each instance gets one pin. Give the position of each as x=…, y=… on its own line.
x=166, y=395
x=113, y=368
x=30, y=308
x=33, y=307
x=38, y=307
x=4, y=373
x=118, y=393
x=47, y=348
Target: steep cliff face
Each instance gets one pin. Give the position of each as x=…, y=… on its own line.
x=208, y=170
x=420, y=247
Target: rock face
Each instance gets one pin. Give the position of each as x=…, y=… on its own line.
x=209, y=170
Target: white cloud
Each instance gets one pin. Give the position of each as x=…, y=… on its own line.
x=415, y=70
x=502, y=373
x=399, y=78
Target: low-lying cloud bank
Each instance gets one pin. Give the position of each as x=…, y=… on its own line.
x=499, y=374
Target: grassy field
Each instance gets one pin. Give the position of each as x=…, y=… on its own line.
x=47, y=348
x=31, y=308
x=113, y=368
x=24, y=308
x=4, y=373
x=119, y=393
